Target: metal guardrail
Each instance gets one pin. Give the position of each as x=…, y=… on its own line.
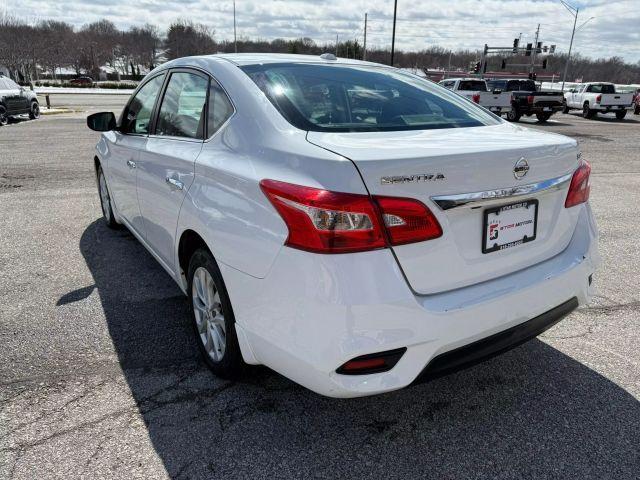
x=79, y=91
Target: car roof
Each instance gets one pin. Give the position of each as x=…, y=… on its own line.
x=242, y=59
x=465, y=79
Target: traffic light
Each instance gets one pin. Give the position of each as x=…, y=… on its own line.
x=544, y=63
x=539, y=47
x=529, y=48
x=552, y=49
x=516, y=42
x=476, y=68
x=504, y=64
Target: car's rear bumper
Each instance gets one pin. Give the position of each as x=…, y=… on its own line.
x=611, y=108
x=542, y=108
x=498, y=109
x=480, y=350
x=312, y=313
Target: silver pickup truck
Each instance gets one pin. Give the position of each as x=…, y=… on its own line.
x=475, y=89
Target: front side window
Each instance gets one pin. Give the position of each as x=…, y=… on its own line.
x=183, y=105
x=137, y=115
x=347, y=98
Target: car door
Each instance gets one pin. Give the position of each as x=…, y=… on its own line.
x=13, y=99
x=129, y=140
x=166, y=166
x=578, y=96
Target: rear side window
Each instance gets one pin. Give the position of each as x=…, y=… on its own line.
x=220, y=108
x=183, y=105
x=137, y=115
x=349, y=98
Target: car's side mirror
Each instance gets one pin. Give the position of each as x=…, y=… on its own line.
x=102, y=121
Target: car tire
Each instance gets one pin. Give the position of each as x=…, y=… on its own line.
x=543, y=117
x=105, y=201
x=212, y=316
x=621, y=115
x=513, y=115
x=4, y=119
x=565, y=108
x=34, y=110
x=637, y=110
x=587, y=112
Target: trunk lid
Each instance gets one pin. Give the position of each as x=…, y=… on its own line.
x=475, y=159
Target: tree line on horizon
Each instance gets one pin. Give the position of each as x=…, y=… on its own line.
x=29, y=50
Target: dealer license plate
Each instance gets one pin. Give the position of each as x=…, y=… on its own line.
x=509, y=225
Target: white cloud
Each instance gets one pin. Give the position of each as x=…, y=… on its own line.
x=454, y=24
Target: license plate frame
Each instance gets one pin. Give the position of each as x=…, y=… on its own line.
x=486, y=248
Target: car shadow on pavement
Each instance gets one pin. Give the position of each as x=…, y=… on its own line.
x=531, y=413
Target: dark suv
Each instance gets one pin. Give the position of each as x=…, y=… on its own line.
x=16, y=100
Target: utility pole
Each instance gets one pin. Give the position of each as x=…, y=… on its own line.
x=336, y=45
x=235, y=38
x=364, y=48
x=393, y=35
x=535, y=50
x=573, y=11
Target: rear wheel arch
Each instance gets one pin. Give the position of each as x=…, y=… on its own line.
x=190, y=241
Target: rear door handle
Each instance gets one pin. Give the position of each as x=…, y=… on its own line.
x=175, y=183
x=131, y=164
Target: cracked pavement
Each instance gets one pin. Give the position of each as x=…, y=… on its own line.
x=100, y=377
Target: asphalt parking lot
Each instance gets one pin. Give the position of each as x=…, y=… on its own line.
x=100, y=377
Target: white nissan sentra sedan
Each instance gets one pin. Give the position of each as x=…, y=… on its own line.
x=349, y=225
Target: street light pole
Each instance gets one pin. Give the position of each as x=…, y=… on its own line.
x=364, y=49
x=573, y=11
x=393, y=35
x=235, y=38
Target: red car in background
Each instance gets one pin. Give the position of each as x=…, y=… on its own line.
x=82, y=81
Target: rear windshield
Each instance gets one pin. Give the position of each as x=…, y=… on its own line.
x=474, y=85
x=347, y=98
x=513, y=85
x=604, y=88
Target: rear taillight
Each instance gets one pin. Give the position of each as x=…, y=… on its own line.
x=530, y=99
x=407, y=220
x=580, y=185
x=330, y=222
x=476, y=97
x=598, y=98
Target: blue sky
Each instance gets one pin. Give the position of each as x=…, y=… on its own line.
x=615, y=30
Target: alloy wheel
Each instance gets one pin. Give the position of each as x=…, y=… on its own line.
x=209, y=314
x=104, y=197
